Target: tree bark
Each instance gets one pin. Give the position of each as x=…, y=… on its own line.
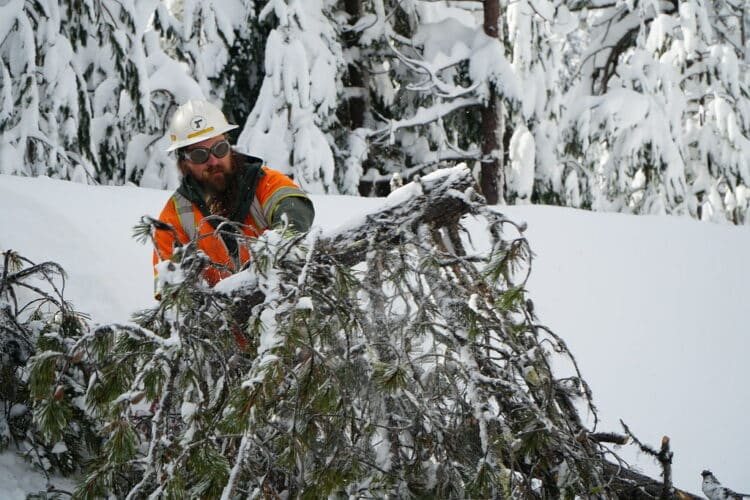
x=636, y=486
x=355, y=77
x=491, y=18
x=492, y=180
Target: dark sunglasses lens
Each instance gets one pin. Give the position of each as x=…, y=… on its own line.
x=197, y=155
x=200, y=155
x=220, y=149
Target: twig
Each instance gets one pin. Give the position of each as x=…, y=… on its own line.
x=664, y=456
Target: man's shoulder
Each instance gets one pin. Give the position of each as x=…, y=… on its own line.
x=169, y=210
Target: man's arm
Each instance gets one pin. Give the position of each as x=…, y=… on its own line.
x=283, y=202
x=298, y=212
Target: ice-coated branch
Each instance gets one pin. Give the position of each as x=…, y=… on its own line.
x=440, y=198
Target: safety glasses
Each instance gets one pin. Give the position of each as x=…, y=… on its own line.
x=201, y=155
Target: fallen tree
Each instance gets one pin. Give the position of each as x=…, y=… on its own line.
x=392, y=358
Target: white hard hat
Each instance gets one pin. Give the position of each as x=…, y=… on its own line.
x=196, y=121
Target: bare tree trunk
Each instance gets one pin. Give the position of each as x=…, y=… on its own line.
x=492, y=181
x=355, y=78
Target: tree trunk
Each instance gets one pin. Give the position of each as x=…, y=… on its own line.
x=492, y=180
x=355, y=77
x=436, y=204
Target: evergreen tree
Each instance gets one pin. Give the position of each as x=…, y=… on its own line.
x=222, y=42
x=43, y=94
x=422, y=102
x=42, y=416
x=383, y=360
x=665, y=128
x=291, y=124
x=491, y=93
x=85, y=90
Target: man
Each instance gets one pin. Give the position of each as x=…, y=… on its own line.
x=218, y=181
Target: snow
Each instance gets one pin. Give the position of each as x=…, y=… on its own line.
x=16, y=479
x=653, y=307
x=655, y=310
x=87, y=230
x=522, y=155
x=59, y=448
x=443, y=42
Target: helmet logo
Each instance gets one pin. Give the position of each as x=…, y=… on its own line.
x=197, y=122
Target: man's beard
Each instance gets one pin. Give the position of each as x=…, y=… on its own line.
x=216, y=179
x=221, y=192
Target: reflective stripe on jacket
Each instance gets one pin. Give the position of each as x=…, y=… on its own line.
x=269, y=190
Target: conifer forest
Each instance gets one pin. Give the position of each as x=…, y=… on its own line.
x=627, y=106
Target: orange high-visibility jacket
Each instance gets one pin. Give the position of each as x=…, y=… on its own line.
x=270, y=195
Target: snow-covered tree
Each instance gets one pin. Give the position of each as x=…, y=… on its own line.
x=42, y=93
x=463, y=81
x=663, y=124
x=423, y=107
x=544, y=41
x=222, y=42
x=85, y=90
x=291, y=125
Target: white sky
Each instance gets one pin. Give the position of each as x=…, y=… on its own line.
x=653, y=308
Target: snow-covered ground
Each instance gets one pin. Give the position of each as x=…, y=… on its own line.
x=653, y=308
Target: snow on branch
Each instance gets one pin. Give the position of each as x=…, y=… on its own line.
x=423, y=116
x=440, y=198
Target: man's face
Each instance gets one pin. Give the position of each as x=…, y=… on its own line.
x=214, y=173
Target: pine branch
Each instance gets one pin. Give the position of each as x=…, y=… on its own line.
x=607, y=437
